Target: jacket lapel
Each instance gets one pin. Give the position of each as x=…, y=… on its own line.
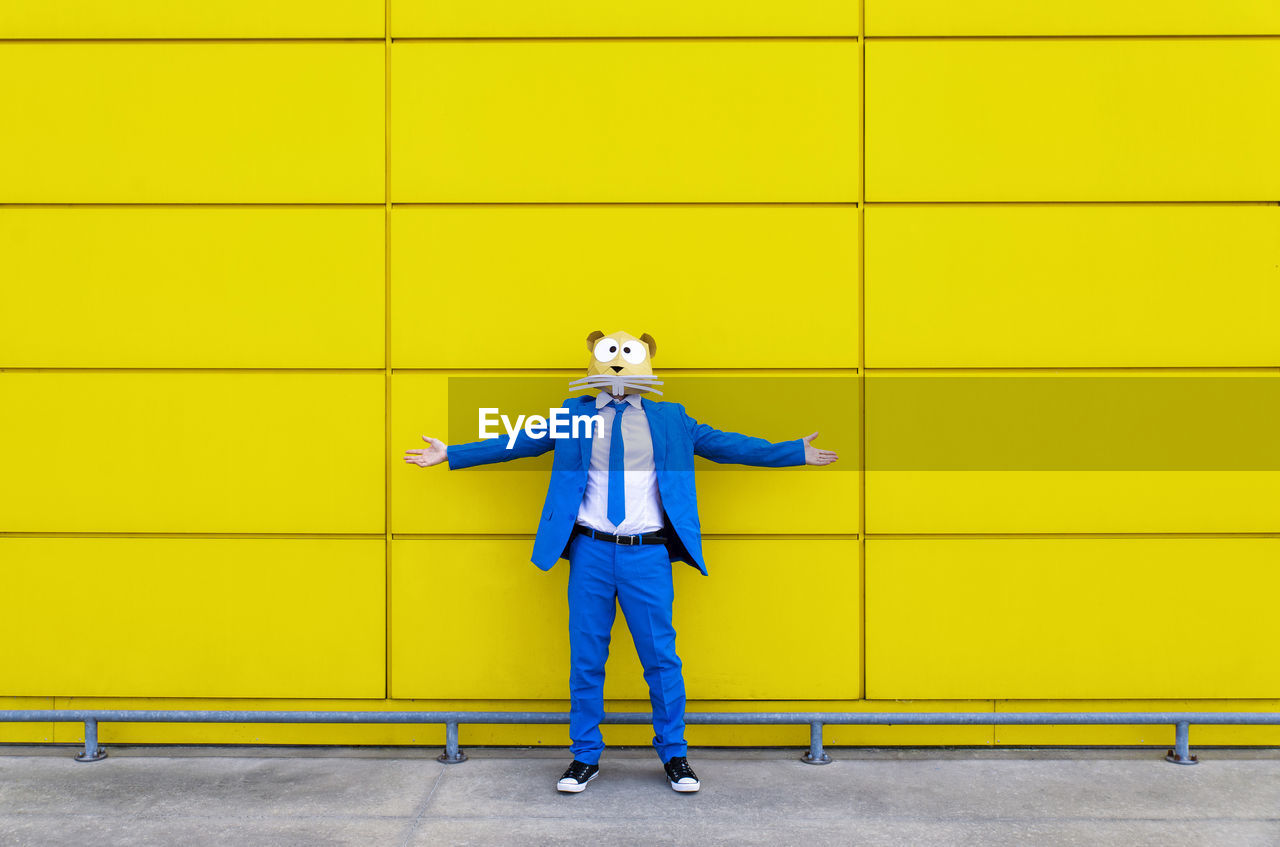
x=587, y=407
x=657, y=431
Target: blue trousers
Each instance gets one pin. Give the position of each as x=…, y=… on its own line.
x=603, y=575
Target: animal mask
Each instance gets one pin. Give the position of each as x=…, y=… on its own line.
x=620, y=364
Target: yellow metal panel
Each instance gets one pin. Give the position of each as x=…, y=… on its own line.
x=942, y=459
x=1072, y=501
x=25, y=733
x=1072, y=17
x=1161, y=736
x=747, y=632
x=198, y=451
x=508, y=498
x=1073, y=119
x=221, y=19
x=622, y=120
x=228, y=617
x=1072, y=286
x=1072, y=618
x=506, y=18
x=192, y=122
x=190, y=286
x=721, y=264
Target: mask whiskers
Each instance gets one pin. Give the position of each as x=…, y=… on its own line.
x=618, y=383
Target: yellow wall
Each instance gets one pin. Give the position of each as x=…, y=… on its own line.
x=243, y=248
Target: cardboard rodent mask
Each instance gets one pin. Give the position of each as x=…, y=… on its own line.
x=620, y=364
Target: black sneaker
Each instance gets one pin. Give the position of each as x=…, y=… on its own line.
x=576, y=776
x=680, y=775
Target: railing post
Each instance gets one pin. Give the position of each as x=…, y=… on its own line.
x=91, y=752
x=451, y=755
x=1181, y=752
x=815, y=755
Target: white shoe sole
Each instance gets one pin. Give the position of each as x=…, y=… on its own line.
x=575, y=787
x=686, y=787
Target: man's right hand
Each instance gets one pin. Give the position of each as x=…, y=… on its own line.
x=428, y=456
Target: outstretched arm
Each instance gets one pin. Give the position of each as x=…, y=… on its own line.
x=477, y=452
x=736, y=448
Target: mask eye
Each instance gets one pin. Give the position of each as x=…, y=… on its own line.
x=606, y=350
x=633, y=352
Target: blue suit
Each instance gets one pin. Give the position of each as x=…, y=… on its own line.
x=677, y=438
x=603, y=575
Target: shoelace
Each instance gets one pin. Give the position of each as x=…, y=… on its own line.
x=678, y=769
x=577, y=770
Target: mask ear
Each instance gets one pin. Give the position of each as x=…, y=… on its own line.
x=593, y=338
x=652, y=345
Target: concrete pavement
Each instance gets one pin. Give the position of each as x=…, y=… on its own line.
x=251, y=796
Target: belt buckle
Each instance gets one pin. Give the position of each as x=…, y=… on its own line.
x=630, y=542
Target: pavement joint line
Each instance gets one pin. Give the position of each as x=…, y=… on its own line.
x=806, y=817
x=417, y=819
x=780, y=819
x=219, y=817
x=774, y=814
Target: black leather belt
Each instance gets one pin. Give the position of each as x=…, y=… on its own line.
x=655, y=537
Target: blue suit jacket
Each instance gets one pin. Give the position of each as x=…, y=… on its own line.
x=677, y=438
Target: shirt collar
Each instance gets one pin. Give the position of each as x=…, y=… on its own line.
x=604, y=399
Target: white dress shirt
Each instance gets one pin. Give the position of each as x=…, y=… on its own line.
x=644, y=504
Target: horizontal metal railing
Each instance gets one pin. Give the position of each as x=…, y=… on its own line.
x=1180, y=754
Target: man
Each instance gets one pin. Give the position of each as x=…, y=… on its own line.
x=621, y=507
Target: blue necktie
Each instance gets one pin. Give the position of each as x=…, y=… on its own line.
x=617, y=483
